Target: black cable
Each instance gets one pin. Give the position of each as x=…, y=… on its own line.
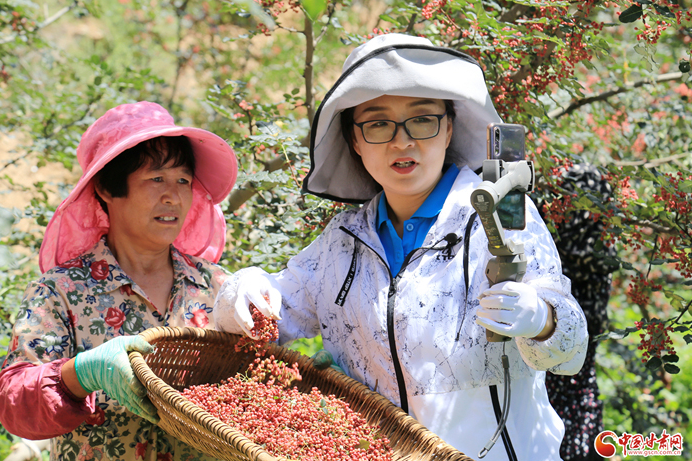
x=505, y=407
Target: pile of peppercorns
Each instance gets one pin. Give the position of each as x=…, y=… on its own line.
x=262, y=405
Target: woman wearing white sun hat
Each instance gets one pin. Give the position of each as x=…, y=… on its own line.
x=394, y=287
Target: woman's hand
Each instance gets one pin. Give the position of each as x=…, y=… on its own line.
x=514, y=309
x=232, y=306
x=323, y=359
x=107, y=367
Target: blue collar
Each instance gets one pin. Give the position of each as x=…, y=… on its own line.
x=434, y=202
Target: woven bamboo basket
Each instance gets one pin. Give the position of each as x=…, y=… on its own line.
x=190, y=356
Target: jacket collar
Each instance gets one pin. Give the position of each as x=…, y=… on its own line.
x=452, y=219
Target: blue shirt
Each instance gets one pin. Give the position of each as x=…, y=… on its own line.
x=415, y=228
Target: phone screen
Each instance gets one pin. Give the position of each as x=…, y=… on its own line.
x=506, y=142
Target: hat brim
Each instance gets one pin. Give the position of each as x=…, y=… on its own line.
x=203, y=233
x=216, y=166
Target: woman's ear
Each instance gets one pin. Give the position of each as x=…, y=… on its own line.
x=450, y=129
x=354, y=143
x=101, y=192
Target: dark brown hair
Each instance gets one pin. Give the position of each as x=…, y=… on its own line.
x=155, y=152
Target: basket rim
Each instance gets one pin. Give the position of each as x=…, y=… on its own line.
x=236, y=439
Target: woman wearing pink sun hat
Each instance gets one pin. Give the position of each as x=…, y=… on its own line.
x=132, y=247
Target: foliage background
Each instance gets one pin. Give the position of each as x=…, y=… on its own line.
x=602, y=82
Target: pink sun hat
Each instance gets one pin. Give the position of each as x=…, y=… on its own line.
x=79, y=222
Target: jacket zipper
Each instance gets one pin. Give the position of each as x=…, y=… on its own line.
x=391, y=301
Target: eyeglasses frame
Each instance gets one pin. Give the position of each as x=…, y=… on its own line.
x=402, y=124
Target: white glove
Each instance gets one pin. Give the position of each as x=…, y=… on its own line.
x=232, y=306
x=512, y=309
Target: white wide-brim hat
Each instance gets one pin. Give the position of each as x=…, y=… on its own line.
x=396, y=65
x=80, y=221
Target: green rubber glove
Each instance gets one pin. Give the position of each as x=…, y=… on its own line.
x=107, y=367
x=323, y=359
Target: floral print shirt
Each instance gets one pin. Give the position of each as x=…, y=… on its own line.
x=80, y=305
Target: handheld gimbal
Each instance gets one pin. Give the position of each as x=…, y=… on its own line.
x=509, y=261
x=499, y=178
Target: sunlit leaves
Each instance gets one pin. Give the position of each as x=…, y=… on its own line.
x=314, y=7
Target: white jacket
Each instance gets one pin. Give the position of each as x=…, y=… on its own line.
x=418, y=329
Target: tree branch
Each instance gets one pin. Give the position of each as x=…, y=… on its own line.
x=411, y=23
x=653, y=163
x=651, y=225
x=246, y=191
x=683, y=312
x=331, y=8
x=43, y=24
x=513, y=13
x=180, y=60
x=308, y=71
x=608, y=94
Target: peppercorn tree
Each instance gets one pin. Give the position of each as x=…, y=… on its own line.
x=600, y=82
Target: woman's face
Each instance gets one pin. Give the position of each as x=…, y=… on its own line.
x=151, y=216
x=404, y=167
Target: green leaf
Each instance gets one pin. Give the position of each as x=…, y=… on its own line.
x=685, y=186
x=642, y=51
x=654, y=363
x=684, y=66
x=115, y=448
x=257, y=12
x=584, y=201
x=672, y=369
x=647, y=174
x=314, y=7
x=363, y=444
x=610, y=261
x=664, y=11
x=673, y=296
x=618, y=334
x=670, y=358
x=687, y=338
x=389, y=19
x=631, y=14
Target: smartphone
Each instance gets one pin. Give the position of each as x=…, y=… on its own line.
x=506, y=141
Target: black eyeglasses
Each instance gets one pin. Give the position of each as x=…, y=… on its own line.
x=418, y=127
